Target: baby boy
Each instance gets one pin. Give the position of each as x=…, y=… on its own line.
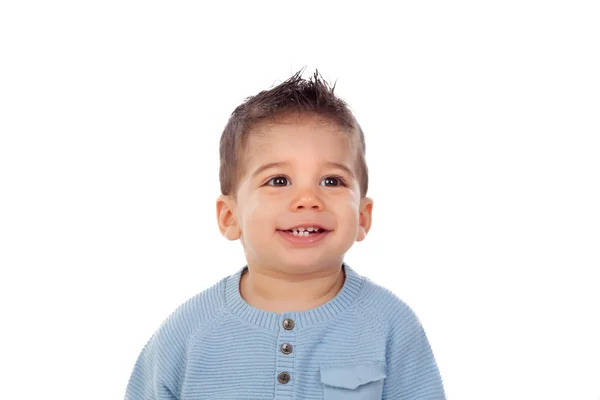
x=296, y=322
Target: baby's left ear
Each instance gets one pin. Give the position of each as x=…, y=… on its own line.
x=365, y=218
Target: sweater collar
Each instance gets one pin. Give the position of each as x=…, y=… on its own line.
x=270, y=320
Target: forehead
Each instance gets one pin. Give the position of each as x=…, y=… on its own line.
x=302, y=137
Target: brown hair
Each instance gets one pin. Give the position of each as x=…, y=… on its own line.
x=295, y=95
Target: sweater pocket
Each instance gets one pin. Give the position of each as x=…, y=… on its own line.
x=352, y=382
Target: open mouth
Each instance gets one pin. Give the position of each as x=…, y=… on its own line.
x=305, y=232
x=304, y=236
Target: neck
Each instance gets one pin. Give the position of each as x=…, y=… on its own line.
x=278, y=292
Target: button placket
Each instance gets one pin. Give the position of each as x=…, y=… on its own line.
x=285, y=358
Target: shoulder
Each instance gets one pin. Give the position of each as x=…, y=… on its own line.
x=171, y=340
x=164, y=356
x=167, y=348
x=411, y=368
x=196, y=313
x=386, y=308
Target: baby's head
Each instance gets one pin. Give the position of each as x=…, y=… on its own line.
x=294, y=157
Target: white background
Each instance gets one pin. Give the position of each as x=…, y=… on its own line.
x=482, y=126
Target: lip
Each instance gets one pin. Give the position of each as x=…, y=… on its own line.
x=307, y=225
x=303, y=240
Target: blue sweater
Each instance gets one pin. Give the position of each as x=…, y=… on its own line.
x=365, y=343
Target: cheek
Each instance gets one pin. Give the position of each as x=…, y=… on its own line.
x=349, y=216
x=257, y=217
x=350, y=207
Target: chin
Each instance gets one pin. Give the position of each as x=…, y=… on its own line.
x=307, y=265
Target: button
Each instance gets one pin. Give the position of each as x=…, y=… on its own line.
x=288, y=324
x=283, y=377
x=286, y=348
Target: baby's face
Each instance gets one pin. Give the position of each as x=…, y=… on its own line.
x=300, y=172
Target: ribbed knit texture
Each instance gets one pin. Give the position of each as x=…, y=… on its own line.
x=365, y=343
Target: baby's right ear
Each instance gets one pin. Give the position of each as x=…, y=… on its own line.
x=226, y=218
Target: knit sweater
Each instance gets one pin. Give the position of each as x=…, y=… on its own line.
x=365, y=343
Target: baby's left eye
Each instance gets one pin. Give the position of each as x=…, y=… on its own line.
x=333, y=181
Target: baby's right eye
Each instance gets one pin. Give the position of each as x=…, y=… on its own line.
x=278, y=181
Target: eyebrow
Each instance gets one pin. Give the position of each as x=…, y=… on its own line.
x=279, y=164
x=342, y=167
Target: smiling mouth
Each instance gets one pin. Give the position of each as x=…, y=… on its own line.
x=305, y=232
x=303, y=238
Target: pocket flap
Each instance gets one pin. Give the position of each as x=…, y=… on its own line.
x=352, y=376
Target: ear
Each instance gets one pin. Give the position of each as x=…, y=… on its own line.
x=365, y=218
x=226, y=218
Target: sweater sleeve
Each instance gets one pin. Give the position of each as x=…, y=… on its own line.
x=412, y=372
x=147, y=381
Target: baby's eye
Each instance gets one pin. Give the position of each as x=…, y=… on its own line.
x=278, y=181
x=333, y=181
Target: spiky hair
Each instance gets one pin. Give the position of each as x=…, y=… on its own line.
x=295, y=95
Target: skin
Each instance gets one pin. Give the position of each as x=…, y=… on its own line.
x=283, y=277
